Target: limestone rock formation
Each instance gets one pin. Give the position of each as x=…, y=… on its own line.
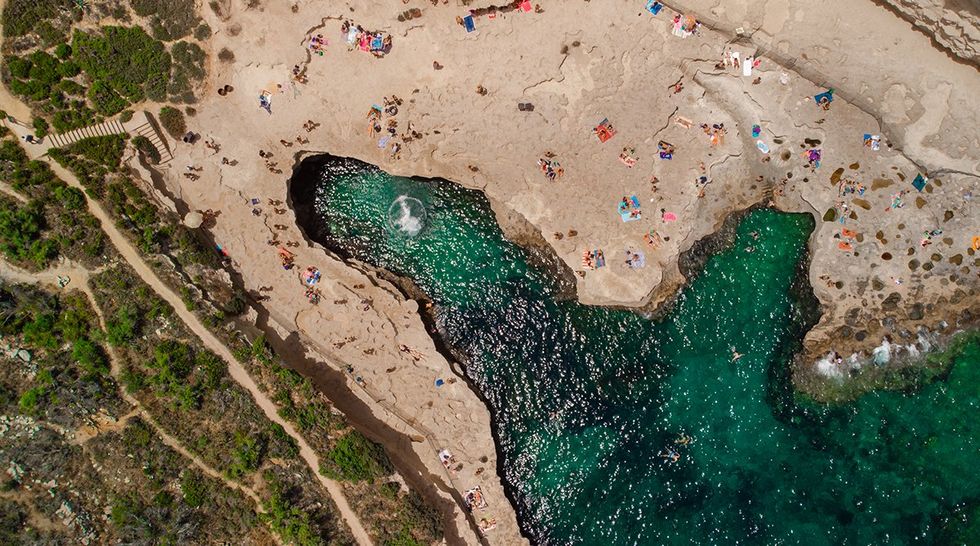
x=955, y=24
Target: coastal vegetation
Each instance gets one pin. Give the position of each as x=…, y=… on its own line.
x=73, y=78
x=395, y=516
x=53, y=222
x=172, y=120
x=65, y=425
x=180, y=384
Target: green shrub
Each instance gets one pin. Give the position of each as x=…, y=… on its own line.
x=20, y=234
x=69, y=87
x=21, y=16
x=69, y=197
x=102, y=150
x=106, y=101
x=193, y=488
x=248, y=454
x=202, y=32
x=69, y=69
x=19, y=67
x=145, y=147
x=63, y=51
x=126, y=58
x=31, y=400
x=41, y=127
x=289, y=522
x=90, y=357
x=355, y=458
x=126, y=116
x=51, y=33
x=169, y=19
x=172, y=120
x=124, y=326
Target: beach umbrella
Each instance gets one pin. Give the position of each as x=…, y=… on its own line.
x=193, y=219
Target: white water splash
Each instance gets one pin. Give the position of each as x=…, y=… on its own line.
x=406, y=215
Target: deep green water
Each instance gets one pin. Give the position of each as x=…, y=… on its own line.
x=584, y=398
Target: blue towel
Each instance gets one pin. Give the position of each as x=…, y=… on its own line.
x=636, y=202
x=919, y=183
x=654, y=7
x=469, y=24
x=829, y=95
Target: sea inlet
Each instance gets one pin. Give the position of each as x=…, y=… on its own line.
x=613, y=428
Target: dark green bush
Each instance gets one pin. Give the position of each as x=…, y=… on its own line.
x=22, y=16
x=106, y=101
x=41, y=127
x=193, y=488
x=19, y=67
x=127, y=59
x=169, y=19
x=292, y=524
x=172, y=120
x=248, y=454
x=103, y=150
x=69, y=69
x=202, y=32
x=145, y=147
x=63, y=51
x=355, y=458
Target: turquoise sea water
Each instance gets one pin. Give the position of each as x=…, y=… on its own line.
x=587, y=400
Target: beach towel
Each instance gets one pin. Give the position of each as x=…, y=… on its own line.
x=762, y=146
x=829, y=95
x=747, y=66
x=604, y=130
x=872, y=141
x=976, y=242
x=525, y=6
x=846, y=247
x=352, y=36
x=669, y=217
x=654, y=7
x=377, y=43
x=383, y=141
x=635, y=259
x=850, y=234
x=666, y=155
x=469, y=24
x=920, y=182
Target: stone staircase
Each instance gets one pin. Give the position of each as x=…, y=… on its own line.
x=111, y=127
x=147, y=130
x=138, y=126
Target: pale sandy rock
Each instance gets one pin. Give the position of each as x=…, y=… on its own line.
x=890, y=82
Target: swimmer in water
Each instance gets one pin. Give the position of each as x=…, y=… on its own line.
x=683, y=439
x=735, y=355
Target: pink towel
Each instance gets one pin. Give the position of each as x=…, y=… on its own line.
x=669, y=217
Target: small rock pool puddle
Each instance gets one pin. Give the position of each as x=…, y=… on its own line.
x=594, y=405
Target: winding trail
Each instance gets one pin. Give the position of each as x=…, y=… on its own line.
x=79, y=277
x=235, y=369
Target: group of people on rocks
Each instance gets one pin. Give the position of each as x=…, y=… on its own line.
x=377, y=43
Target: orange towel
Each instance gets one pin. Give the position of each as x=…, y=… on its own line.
x=848, y=233
x=845, y=246
x=976, y=242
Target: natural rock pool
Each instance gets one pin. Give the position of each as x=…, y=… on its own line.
x=615, y=429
